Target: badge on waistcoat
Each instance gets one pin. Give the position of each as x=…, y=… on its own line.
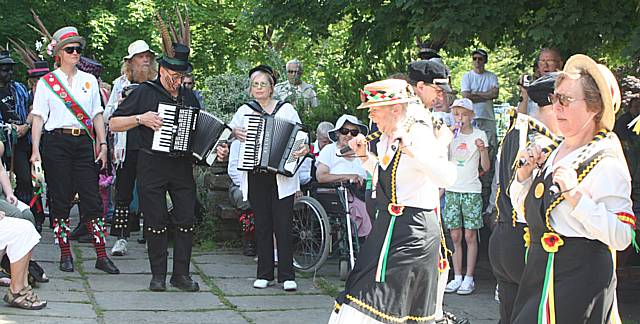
x=539, y=190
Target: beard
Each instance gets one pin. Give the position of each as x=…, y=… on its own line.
x=142, y=73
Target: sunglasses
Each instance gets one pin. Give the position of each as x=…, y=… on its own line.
x=262, y=84
x=353, y=132
x=187, y=83
x=71, y=49
x=562, y=99
x=293, y=71
x=478, y=58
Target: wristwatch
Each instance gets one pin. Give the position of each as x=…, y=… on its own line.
x=138, y=120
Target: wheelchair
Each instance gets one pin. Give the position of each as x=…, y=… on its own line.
x=322, y=227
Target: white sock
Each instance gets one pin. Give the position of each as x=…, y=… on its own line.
x=457, y=278
x=468, y=278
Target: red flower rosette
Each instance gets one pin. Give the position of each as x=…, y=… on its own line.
x=395, y=209
x=443, y=264
x=551, y=242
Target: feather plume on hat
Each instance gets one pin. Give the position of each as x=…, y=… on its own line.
x=41, y=29
x=164, y=33
x=175, y=41
x=27, y=56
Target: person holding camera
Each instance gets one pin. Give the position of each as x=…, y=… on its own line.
x=549, y=60
x=137, y=67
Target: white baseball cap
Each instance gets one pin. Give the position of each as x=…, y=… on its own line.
x=463, y=103
x=138, y=47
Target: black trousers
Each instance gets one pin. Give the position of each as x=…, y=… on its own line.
x=22, y=169
x=125, y=182
x=506, y=253
x=157, y=175
x=126, y=178
x=69, y=168
x=272, y=215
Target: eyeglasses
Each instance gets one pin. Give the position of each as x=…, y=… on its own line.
x=293, y=71
x=71, y=49
x=478, y=58
x=262, y=84
x=547, y=62
x=564, y=100
x=353, y=132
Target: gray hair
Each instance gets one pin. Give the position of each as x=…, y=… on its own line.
x=296, y=62
x=324, y=128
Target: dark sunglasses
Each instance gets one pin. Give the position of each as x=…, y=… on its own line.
x=478, y=58
x=345, y=131
x=71, y=49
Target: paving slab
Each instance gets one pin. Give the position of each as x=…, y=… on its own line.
x=222, y=270
x=220, y=316
x=46, y=252
x=64, y=296
x=244, y=287
x=255, y=303
x=132, y=282
x=224, y=258
x=54, y=309
x=37, y=319
x=125, y=266
x=307, y=316
x=61, y=284
x=160, y=301
x=52, y=269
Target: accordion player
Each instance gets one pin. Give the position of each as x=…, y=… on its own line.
x=270, y=144
x=187, y=130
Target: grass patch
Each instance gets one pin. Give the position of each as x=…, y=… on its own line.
x=327, y=287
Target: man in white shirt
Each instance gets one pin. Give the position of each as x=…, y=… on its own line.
x=481, y=87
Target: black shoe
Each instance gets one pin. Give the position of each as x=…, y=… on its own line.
x=158, y=283
x=107, y=266
x=79, y=231
x=37, y=272
x=142, y=241
x=184, y=283
x=66, y=264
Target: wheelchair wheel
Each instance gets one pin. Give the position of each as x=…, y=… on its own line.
x=344, y=269
x=310, y=230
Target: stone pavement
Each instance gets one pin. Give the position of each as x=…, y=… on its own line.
x=227, y=296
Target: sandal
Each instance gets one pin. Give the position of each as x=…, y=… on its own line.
x=25, y=299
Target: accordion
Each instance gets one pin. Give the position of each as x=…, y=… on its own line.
x=270, y=145
x=187, y=130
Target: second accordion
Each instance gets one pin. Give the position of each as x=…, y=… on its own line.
x=270, y=144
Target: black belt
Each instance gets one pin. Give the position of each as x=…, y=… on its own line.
x=69, y=131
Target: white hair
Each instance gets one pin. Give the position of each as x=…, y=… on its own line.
x=324, y=128
x=296, y=62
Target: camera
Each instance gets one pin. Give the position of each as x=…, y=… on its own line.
x=526, y=80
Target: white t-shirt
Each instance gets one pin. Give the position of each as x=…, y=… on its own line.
x=464, y=153
x=474, y=82
x=340, y=165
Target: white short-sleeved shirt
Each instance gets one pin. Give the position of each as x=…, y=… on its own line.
x=55, y=114
x=464, y=153
x=472, y=81
x=286, y=185
x=340, y=165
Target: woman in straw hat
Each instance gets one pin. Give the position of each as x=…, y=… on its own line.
x=396, y=274
x=67, y=106
x=576, y=203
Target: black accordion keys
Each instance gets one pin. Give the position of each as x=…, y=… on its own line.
x=187, y=130
x=270, y=145
x=176, y=133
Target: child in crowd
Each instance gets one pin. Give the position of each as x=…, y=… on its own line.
x=463, y=209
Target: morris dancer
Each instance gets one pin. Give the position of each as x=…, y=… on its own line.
x=576, y=203
x=506, y=246
x=395, y=277
x=67, y=105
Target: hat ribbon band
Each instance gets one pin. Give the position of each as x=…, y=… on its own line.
x=38, y=70
x=67, y=35
x=174, y=61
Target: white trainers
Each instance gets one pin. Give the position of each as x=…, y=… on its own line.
x=290, y=285
x=467, y=287
x=453, y=286
x=262, y=283
x=119, y=248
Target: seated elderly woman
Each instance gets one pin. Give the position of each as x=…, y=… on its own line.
x=334, y=166
x=17, y=239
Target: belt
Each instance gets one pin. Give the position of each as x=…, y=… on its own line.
x=70, y=131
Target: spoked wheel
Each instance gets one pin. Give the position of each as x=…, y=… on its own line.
x=310, y=230
x=344, y=267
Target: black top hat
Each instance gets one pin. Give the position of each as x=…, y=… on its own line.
x=179, y=62
x=40, y=68
x=429, y=71
x=5, y=58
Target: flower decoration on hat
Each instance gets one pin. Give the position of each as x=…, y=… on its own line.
x=47, y=44
x=551, y=242
x=36, y=65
